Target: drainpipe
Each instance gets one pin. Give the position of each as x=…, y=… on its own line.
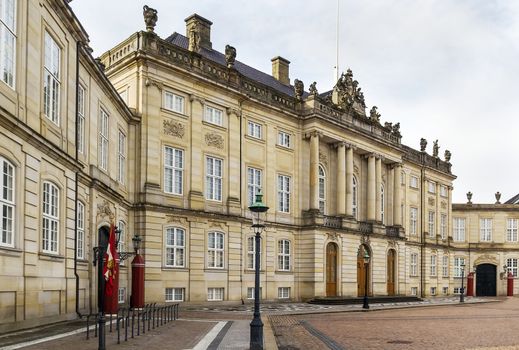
x=422, y=225
x=76, y=182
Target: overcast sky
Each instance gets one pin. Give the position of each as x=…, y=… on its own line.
x=445, y=69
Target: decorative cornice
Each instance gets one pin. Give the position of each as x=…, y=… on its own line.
x=151, y=82
x=193, y=98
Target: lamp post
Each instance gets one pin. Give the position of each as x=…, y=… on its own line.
x=99, y=254
x=366, y=257
x=462, y=291
x=258, y=208
x=137, y=296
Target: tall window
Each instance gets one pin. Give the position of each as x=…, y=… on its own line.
x=413, y=181
x=121, y=295
x=413, y=271
x=443, y=226
x=7, y=40
x=432, y=219
x=382, y=206
x=121, y=227
x=284, y=193
x=213, y=179
x=485, y=226
x=173, y=170
x=511, y=230
x=458, y=263
x=355, y=197
x=103, y=140
x=322, y=190
x=214, y=115
x=175, y=247
x=445, y=266
x=444, y=191
x=121, y=156
x=413, y=217
x=431, y=187
x=284, y=255
x=51, y=79
x=50, y=218
x=81, y=120
x=511, y=265
x=284, y=139
x=458, y=226
x=215, y=250
x=251, y=253
x=253, y=184
x=173, y=102
x=80, y=252
x=433, y=265
x=7, y=203
x=254, y=129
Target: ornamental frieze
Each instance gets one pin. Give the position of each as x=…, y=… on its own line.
x=431, y=201
x=173, y=128
x=214, y=140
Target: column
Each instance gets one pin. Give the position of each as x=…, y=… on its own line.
x=397, y=195
x=314, y=171
x=371, y=188
x=378, y=185
x=349, y=181
x=341, y=178
x=233, y=201
x=196, y=194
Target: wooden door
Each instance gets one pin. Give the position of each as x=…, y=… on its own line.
x=361, y=273
x=391, y=272
x=331, y=270
x=486, y=280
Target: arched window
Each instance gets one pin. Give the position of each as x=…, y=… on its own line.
x=322, y=190
x=355, y=197
x=175, y=247
x=215, y=250
x=7, y=203
x=50, y=218
x=382, y=206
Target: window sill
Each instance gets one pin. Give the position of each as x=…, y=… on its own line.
x=217, y=270
x=254, y=139
x=212, y=125
x=284, y=148
x=51, y=257
x=10, y=251
x=174, y=268
x=252, y=272
x=173, y=113
x=285, y=272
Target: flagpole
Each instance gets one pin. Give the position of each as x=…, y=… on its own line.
x=337, y=45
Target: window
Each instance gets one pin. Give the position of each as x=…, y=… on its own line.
x=443, y=226
x=175, y=247
x=50, y=218
x=402, y=178
x=121, y=295
x=284, y=193
x=444, y=191
x=80, y=252
x=458, y=263
x=254, y=130
x=413, y=217
x=433, y=265
x=213, y=115
x=213, y=179
x=215, y=250
x=251, y=253
x=121, y=157
x=214, y=294
x=284, y=255
x=431, y=187
x=322, y=190
x=121, y=235
x=457, y=290
x=283, y=292
x=175, y=294
x=354, y=197
x=432, y=218
x=7, y=203
x=51, y=79
x=253, y=184
x=103, y=140
x=173, y=170
x=445, y=290
x=433, y=291
x=414, y=290
x=284, y=139
x=413, y=181
x=485, y=226
x=173, y=102
x=511, y=265
x=458, y=230
x=382, y=203
x=511, y=230
x=81, y=119
x=7, y=40
x=414, y=265
x=250, y=292
x=445, y=266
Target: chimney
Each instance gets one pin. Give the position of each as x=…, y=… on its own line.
x=202, y=26
x=280, y=69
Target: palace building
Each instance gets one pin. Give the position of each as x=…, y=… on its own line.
x=171, y=138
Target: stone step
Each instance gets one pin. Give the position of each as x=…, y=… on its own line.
x=359, y=300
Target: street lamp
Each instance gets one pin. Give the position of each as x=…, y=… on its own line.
x=462, y=291
x=258, y=208
x=366, y=257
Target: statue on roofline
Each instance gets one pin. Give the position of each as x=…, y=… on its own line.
x=150, y=18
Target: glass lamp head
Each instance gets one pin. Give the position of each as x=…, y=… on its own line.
x=136, y=240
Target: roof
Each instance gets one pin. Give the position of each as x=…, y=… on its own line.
x=247, y=71
x=513, y=200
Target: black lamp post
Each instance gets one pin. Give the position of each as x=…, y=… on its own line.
x=366, y=257
x=258, y=208
x=99, y=254
x=462, y=290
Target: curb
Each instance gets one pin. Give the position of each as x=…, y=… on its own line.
x=269, y=338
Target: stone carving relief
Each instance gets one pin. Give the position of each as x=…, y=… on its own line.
x=173, y=128
x=430, y=200
x=230, y=55
x=214, y=140
x=194, y=38
x=172, y=219
x=103, y=210
x=299, y=89
x=356, y=169
x=333, y=236
x=150, y=18
x=217, y=224
x=444, y=205
x=323, y=158
x=364, y=239
x=392, y=244
x=347, y=93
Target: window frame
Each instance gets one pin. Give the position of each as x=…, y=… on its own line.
x=216, y=254
x=8, y=33
x=512, y=229
x=431, y=223
x=443, y=225
x=413, y=221
x=51, y=218
x=458, y=230
x=213, y=115
x=81, y=119
x=485, y=229
x=431, y=187
x=173, y=171
x=253, y=187
x=413, y=182
x=282, y=294
x=176, y=100
x=413, y=265
x=123, y=299
x=176, y=249
x=445, y=265
x=104, y=139
x=322, y=189
x=214, y=179
x=212, y=294
x=254, y=129
x=284, y=139
x=173, y=294
x=382, y=203
x=433, y=265
x=458, y=261
x=251, y=252
x=512, y=266
x=51, y=80
x=284, y=184
x=7, y=202
x=284, y=257
x=80, y=245
x=355, y=197
x=121, y=157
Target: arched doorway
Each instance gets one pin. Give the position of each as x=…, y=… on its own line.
x=363, y=271
x=486, y=280
x=391, y=255
x=331, y=270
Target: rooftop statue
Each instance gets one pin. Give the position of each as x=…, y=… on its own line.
x=374, y=116
x=447, y=155
x=423, y=144
x=230, y=55
x=312, y=89
x=194, y=38
x=150, y=18
x=299, y=89
x=436, y=148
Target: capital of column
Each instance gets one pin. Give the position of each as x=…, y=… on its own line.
x=193, y=97
x=314, y=133
x=375, y=155
x=234, y=111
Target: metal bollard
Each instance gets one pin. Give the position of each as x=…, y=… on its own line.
x=133, y=320
x=111, y=316
x=95, y=329
x=118, y=329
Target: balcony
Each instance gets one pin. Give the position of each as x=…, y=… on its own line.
x=332, y=221
x=393, y=231
x=365, y=227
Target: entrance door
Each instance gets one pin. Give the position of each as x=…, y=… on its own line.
x=331, y=270
x=391, y=272
x=486, y=280
x=362, y=270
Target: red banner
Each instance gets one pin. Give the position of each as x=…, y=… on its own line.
x=110, y=269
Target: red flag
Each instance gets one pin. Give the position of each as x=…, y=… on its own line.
x=110, y=269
